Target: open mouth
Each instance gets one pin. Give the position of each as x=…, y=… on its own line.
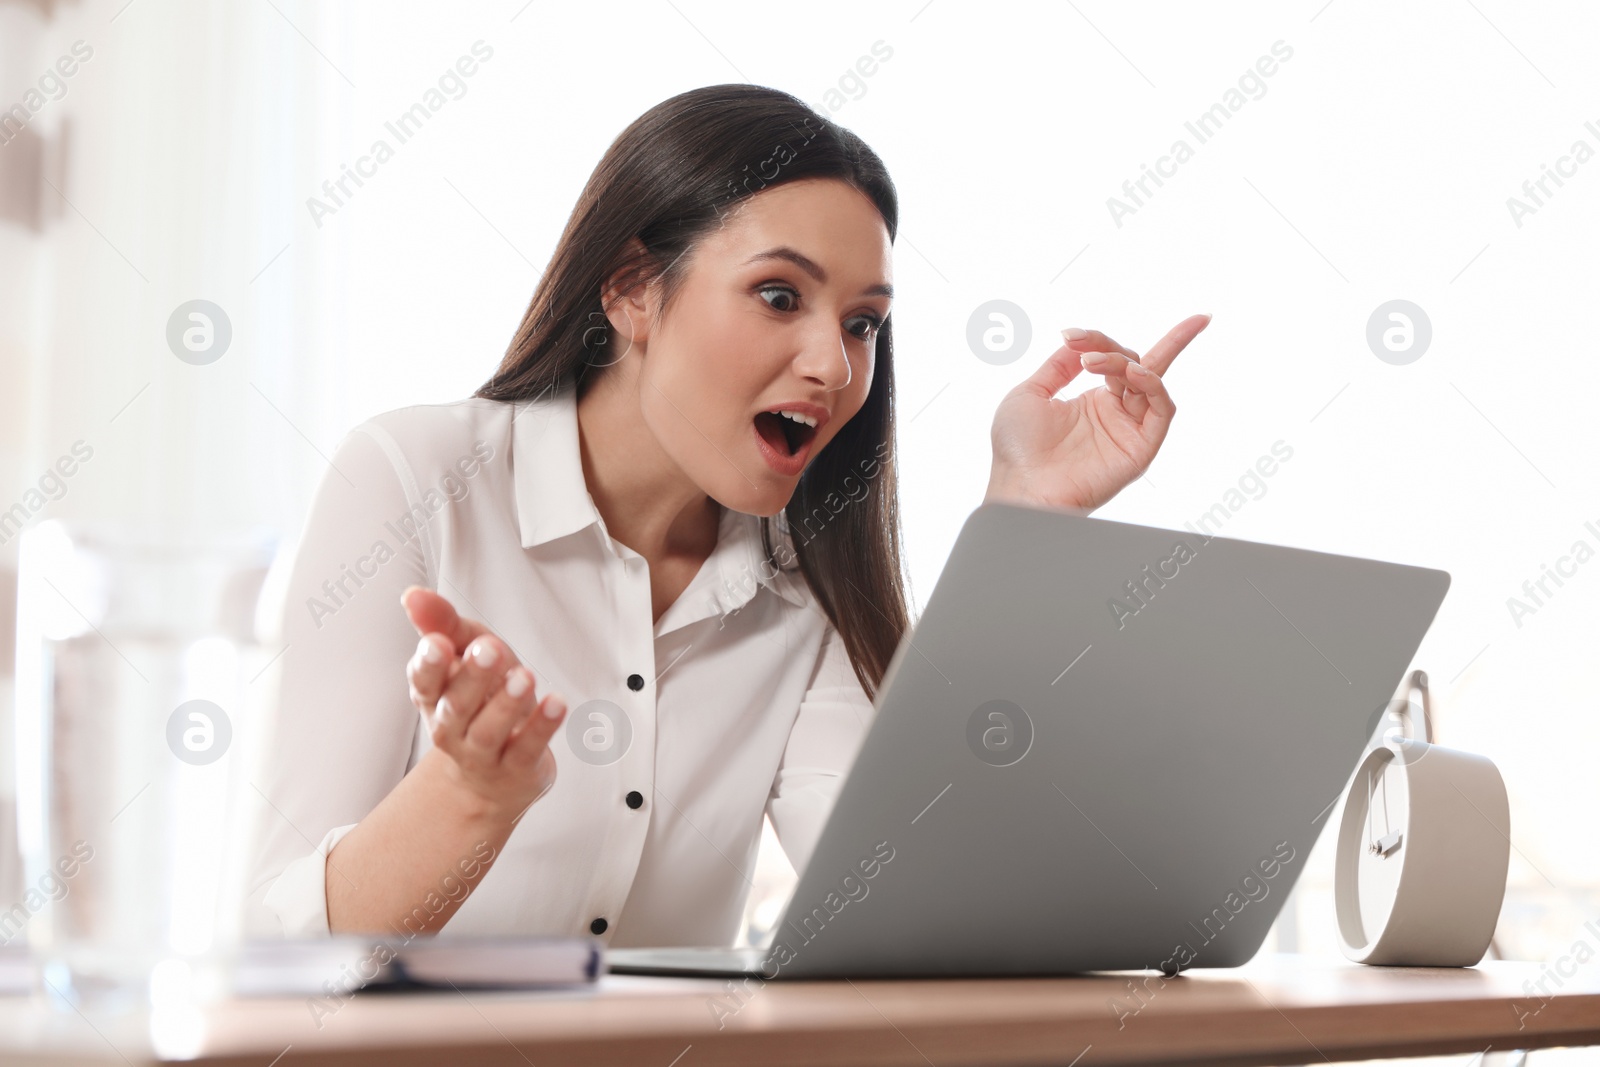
x=787, y=434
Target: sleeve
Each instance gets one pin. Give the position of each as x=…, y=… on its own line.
x=834, y=715
x=342, y=730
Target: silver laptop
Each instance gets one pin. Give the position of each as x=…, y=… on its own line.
x=1103, y=747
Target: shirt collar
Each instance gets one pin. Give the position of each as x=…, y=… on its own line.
x=743, y=564
x=552, y=498
x=553, y=501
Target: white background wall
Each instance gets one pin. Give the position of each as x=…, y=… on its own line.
x=1377, y=165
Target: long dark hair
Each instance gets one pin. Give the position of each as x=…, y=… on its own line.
x=669, y=179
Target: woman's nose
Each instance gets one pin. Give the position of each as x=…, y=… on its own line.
x=826, y=362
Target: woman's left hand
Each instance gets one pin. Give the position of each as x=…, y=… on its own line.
x=1079, y=453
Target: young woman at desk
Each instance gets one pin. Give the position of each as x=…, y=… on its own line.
x=671, y=509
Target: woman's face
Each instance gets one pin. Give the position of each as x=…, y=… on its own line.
x=779, y=311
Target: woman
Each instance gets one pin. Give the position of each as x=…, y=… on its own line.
x=671, y=508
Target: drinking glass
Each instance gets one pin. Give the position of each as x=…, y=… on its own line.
x=137, y=664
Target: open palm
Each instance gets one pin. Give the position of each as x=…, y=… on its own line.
x=1080, y=452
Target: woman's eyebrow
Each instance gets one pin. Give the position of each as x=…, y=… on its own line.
x=811, y=267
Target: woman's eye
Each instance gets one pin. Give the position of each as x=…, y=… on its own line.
x=790, y=295
x=865, y=327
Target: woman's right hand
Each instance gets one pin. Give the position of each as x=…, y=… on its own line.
x=480, y=706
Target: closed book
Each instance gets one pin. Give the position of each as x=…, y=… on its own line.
x=344, y=964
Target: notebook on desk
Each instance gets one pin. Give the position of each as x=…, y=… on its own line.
x=292, y=968
x=1102, y=747
x=309, y=967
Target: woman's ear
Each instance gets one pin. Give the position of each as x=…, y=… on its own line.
x=629, y=305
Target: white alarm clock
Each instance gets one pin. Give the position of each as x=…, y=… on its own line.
x=1422, y=853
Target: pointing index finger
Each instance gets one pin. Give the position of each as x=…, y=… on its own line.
x=1164, y=351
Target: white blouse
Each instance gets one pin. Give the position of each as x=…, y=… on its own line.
x=739, y=701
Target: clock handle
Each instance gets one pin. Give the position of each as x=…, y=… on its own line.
x=1418, y=682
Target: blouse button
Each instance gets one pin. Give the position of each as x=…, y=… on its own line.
x=597, y=927
x=635, y=682
x=635, y=800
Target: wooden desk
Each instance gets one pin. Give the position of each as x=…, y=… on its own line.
x=1278, y=1010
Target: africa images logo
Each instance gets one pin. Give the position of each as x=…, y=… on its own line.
x=1154, y=578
